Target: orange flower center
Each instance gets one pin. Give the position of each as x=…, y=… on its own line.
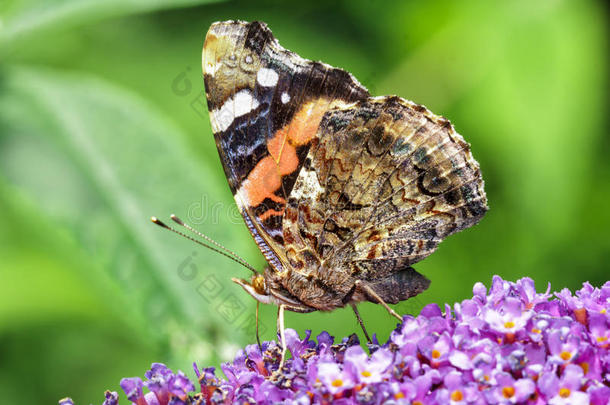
x=457, y=395
x=508, y=392
x=565, y=356
x=536, y=330
x=436, y=354
x=564, y=392
x=585, y=367
x=509, y=324
x=399, y=395
x=366, y=373
x=581, y=315
x=337, y=383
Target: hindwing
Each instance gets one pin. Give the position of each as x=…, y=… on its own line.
x=385, y=182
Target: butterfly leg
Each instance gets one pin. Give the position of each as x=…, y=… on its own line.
x=258, y=339
x=280, y=329
x=366, y=334
x=368, y=290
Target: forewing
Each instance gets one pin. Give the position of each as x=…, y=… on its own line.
x=384, y=184
x=266, y=104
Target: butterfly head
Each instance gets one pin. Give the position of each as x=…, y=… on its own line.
x=267, y=289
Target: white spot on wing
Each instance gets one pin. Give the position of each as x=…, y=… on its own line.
x=285, y=98
x=244, y=103
x=240, y=104
x=267, y=77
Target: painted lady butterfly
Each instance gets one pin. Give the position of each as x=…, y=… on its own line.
x=343, y=192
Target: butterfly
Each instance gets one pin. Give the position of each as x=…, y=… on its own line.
x=343, y=192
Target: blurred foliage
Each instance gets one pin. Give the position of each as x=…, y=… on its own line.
x=103, y=124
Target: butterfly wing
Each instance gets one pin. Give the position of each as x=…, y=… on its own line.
x=383, y=184
x=265, y=106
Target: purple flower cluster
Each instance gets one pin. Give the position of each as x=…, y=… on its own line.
x=510, y=345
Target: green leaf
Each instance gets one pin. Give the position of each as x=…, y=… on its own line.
x=19, y=19
x=99, y=162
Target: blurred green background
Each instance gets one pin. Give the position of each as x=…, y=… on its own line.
x=103, y=124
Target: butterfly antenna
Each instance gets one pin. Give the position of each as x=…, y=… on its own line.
x=218, y=248
x=206, y=237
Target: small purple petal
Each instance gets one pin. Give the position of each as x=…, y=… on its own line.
x=460, y=360
x=133, y=389
x=325, y=339
x=599, y=395
x=431, y=310
x=180, y=385
x=524, y=389
x=112, y=398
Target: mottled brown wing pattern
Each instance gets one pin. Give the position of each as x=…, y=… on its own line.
x=384, y=184
x=265, y=105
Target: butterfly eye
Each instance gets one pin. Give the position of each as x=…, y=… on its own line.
x=258, y=283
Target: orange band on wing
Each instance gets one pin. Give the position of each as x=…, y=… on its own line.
x=270, y=213
x=266, y=177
